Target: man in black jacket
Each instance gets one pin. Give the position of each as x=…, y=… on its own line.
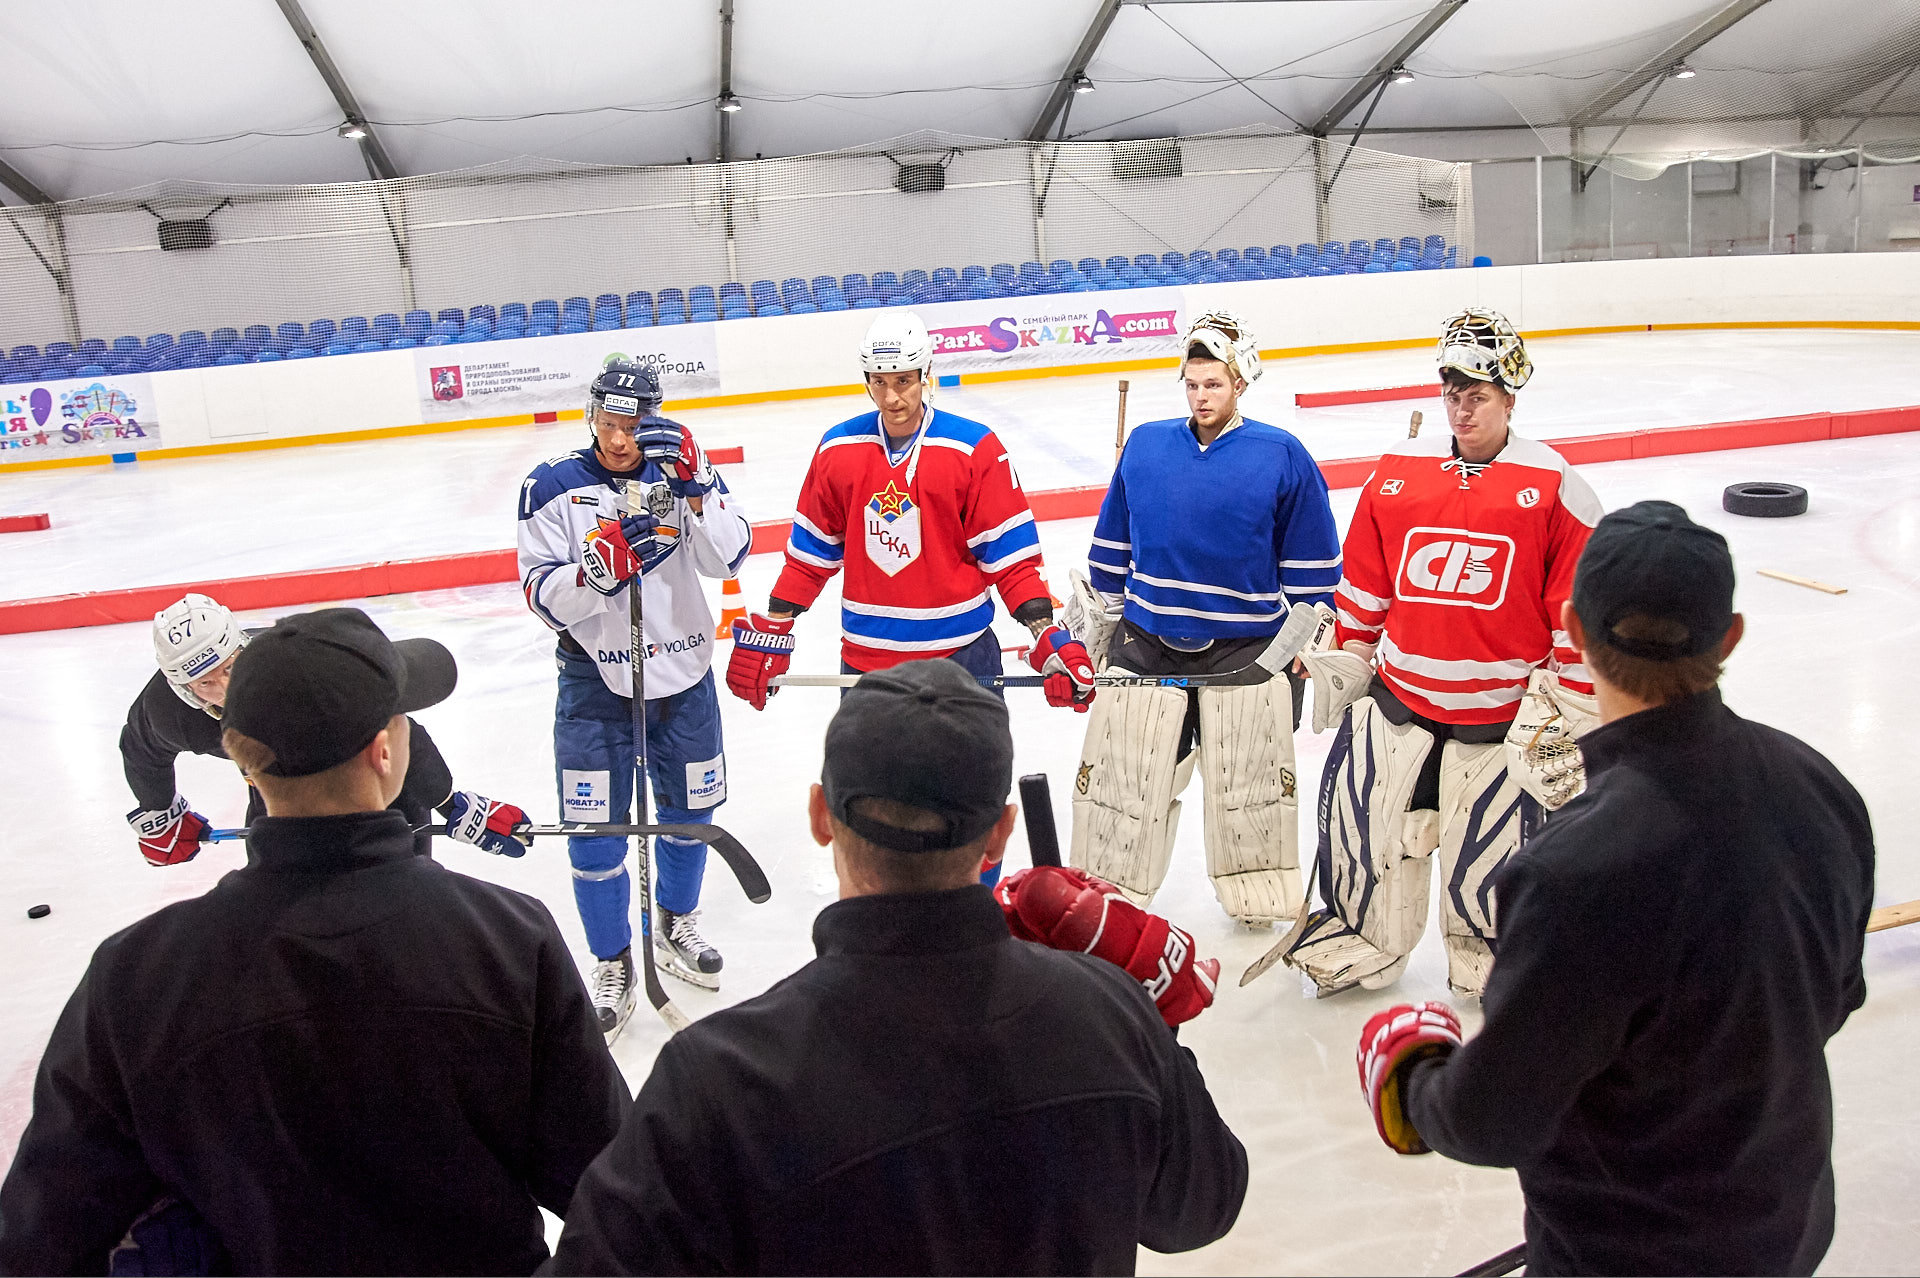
x=178, y=712
x=930, y=1095
x=344, y=1058
x=1676, y=948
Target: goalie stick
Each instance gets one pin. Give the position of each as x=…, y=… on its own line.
x=1294, y=636
x=1036, y=806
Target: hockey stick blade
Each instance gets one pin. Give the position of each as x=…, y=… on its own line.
x=1036, y=805
x=1294, y=636
x=1504, y=1263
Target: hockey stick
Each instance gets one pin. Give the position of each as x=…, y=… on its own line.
x=1036, y=805
x=1120, y=427
x=1504, y=1263
x=676, y=1019
x=1294, y=635
x=1894, y=916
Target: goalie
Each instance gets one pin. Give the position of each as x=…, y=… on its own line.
x=1455, y=690
x=1211, y=529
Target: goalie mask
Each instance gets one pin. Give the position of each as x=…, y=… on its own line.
x=1225, y=337
x=624, y=386
x=192, y=638
x=1481, y=344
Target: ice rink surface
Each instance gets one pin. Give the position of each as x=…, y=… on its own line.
x=1326, y=1196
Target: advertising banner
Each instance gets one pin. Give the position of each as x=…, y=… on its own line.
x=1058, y=328
x=550, y=374
x=77, y=417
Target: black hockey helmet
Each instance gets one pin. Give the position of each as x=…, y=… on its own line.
x=624, y=386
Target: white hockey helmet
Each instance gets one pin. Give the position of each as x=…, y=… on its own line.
x=1481, y=344
x=1226, y=337
x=189, y=639
x=895, y=343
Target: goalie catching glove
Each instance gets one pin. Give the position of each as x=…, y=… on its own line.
x=169, y=835
x=1339, y=674
x=1069, y=670
x=477, y=820
x=618, y=549
x=1391, y=1042
x=1065, y=909
x=1543, y=751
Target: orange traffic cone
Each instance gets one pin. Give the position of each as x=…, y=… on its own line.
x=731, y=609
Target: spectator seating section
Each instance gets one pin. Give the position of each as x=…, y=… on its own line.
x=707, y=303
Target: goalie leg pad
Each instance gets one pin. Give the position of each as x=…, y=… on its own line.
x=1373, y=857
x=1484, y=818
x=1124, y=809
x=1252, y=806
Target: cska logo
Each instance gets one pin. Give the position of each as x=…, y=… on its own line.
x=893, y=529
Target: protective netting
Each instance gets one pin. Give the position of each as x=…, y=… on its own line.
x=531, y=247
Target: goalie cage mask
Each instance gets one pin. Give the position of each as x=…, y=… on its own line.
x=1225, y=337
x=1483, y=345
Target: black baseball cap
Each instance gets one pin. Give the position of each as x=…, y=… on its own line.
x=316, y=687
x=1651, y=560
x=925, y=734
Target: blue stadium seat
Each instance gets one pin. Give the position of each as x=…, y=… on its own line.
x=574, y=324
x=267, y=357
x=970, y=274
x=514, y=313
x=484, y=311
x=53, y=372
x=368, y=347
x=914, y=280
x=1483, y=260
x=121, y=365
x=453, y=313
x=63, y=351
x=943, y=275
x=467, y=338
x=386, y=326
x=548, y=312
x=403, y=343
x=701, y=295
x=300, y=352
x=128, y=345
x=794, y=291
x=574, y=306
x=1254, y=256
x=417, y=324
x=607, y=299
x=855, y=288
x=93, y=348
x=833, y=302
x=1006, y=277
x=639, y=309
x=33, y=352
x=337, y=348
x=100, y=370
x=321, y=331
x=446, y=328
x=607, y=317
x=885, y=285
x=669, y=316
x=255, y=333
x=436, y=339
x=288, y=336
x=671, y=302
x=507, y=332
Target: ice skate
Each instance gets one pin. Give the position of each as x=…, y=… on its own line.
x=612, y=989
x=683, y=952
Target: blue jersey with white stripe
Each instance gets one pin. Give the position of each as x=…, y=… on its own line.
x=1215, y=543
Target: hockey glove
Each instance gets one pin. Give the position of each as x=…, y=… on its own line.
x=169, y=835
x=1065, y=909
x=670, y=446
x=477, y=820
x=1069, y=670
x=762, y=650
x=617, y=549
x=1543, y=751
x=1392, y=1041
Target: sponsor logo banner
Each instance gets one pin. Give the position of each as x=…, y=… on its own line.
x=77, y=417
x=551, y=374
x=1062, y=328
x=584, y=796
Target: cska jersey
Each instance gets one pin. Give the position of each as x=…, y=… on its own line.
x=921, y=534
x=1458, y=571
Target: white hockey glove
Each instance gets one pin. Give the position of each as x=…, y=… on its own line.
x=1091, y=616
x=1340, y=675
x=1543, y=754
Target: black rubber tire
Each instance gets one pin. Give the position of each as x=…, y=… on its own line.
x=1764, y=500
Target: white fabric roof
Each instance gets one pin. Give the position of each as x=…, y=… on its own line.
x=103, y=95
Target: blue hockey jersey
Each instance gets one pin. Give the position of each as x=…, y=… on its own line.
x=1215, y=543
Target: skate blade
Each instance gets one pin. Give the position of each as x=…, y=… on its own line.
x=671, y=966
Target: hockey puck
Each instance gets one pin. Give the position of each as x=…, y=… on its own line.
x=1764, y=501
x=39, y=911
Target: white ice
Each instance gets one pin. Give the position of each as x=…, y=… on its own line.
x=1326, y=1196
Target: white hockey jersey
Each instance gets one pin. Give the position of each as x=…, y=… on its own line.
x=560, y=503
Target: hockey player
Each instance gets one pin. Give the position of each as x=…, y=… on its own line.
x=933, y=511
x=1448, y=643
x=1212, y=527
x=641, y=498
x=178, y=712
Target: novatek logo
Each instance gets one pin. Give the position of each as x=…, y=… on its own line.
x=1455, y=567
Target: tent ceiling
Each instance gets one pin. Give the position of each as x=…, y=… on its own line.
x=105, y=95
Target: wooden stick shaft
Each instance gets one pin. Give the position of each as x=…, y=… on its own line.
x=1413, y=424
x=1120, y=426
x=1808, y=582
x=1893, y=916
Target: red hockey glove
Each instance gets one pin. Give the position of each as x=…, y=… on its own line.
x=169, y=835
x=487, y=825
x=762, y=649
x=1065, y=909
x=1069, y=670
x=1393, y=1040
x=618, y=548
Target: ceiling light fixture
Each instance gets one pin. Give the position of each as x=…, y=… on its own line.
x=353, y=130
x=1402, y=76
x=728, y=103
x=1081, y=84
x=1681, y=71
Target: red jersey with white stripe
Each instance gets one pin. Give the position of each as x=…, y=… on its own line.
x=922, y=532
x=1458, y=572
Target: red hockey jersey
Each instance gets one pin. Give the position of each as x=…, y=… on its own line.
x=1458, y=572
x=921, y=539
